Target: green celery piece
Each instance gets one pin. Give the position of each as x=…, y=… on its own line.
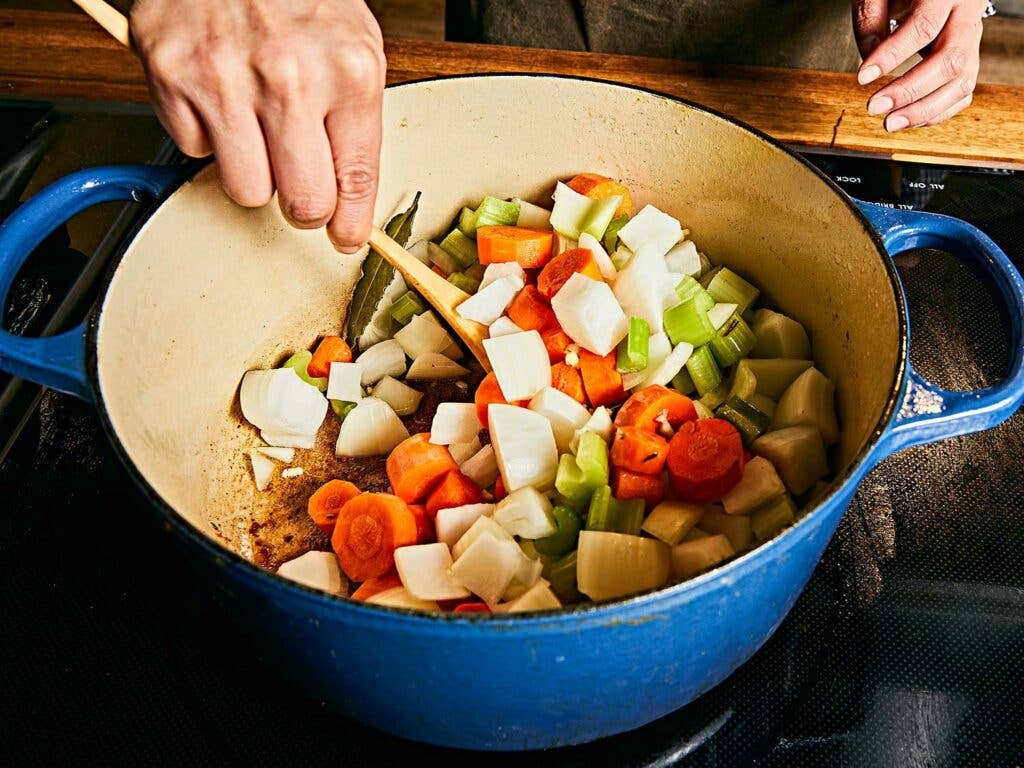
x=570, y=483
x=599, y=514
x=744, y=382
x=592, y=459
x=467, y=222
x=476, y=272
x=299, y=362
x=341, y=408
x=733, y=342
x=689, y=322
x=611, y=235
x=406, y=307
x=683, y=382
x=461, y=248
x=561, y=574
x=711, y=400
x=493, y=212
x=704, y=370
x=617, y=516
x=564, y=539
x=464, y=282
x=726, y=287
x=632, y=350
x=748, y=420
x=629, y=515
x=596, y=222
x=708, y=276
x=688, y=288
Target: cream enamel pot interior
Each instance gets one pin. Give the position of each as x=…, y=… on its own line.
x=209, y=290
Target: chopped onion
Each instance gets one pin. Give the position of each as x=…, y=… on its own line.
x=487, y=566
x=683, y=258
x=371, y=429
x=424, y=333
x=462, y=451
x=524, y=446
x=399, y=597
x=653, y=228
x=318, y=570
x=604, y=262
x=532, y=216
x=640, y=287
x=287, y=455
x=521, y=364
x=384, y=359
x=563, y=244
x=719, y=314
x=589, y=314
x=280, y=403
x=291, y=472
x=452, y=523
x=379, y=327
x=488, y=304
x=344, y=382
x=526, y=513
x=611, y=565
x=483, y=524
x=565, y=414
x=482, y=467
x=503, y=326
x=262, y=470
x=432, y=365
x=288, y=439
x=526, y=576
x=538, y=598
x=666, y=370
x=425, y=571
x=669, y=296
x=600, y=422
x=658, y=349
x=455, y=423
x=403, y=399
x=759, y=485
x=502, y=269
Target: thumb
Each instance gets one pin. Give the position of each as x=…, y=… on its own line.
x=870, y=24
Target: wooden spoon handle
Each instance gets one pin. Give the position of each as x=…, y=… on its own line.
x=108, y=17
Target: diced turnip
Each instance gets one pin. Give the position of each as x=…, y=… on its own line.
x=431, y=366
x=774, y=376
x=425, y=571
x=809, y=401
x=538, y=598
x=286, y=455
x=671, y=520
x=604, y=262
x=318, y=570
x=590, y=314
x=640, y=287
x=424, y=333
x=384, y=359
x=280, y=403
x=719, y=314
x=600, y=422
x=487, y=566
x=526, y=513
x=452, y=523
x=344, y=382
x=489, y=303
x=502, y=269
x=683, y=258
x=262, y=470
x=697, y=555
x=372, y=428
x=779, y=336
x=524, y=446
x=532, y=216
x=611, y=565
x=651, y=228
x=759, y=485
x=503, y=326
x=462, y=452
x=736, y=528
x=797, y=453
x=483, y=524
x=520, y=363
x=399, y=597
x=455, y=423
x=565, y=414
x=482, y=467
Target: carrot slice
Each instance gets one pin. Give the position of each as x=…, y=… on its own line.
x=416, y=466
x=370, y=528
x=472, y=608
x=602, y=383
x=333, y=349
x=598, y=187
x=638, y=450
x=499, y=489
x=567, y=379
x=327, y=501
x=455, y=490
x=633, y=485
x=563, y=266
x=490, y=392
x=425, y=532
x=643, y=408
x=530, y=247
x=556, y=341
x=371, y=587
x=705, y=460
x=530, y=311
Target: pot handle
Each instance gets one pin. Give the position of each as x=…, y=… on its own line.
x=59, y=361
x=929, y=413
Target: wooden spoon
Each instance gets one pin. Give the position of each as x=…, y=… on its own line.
x=439, y=293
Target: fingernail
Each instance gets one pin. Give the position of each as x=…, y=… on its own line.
x=879, y=105
x=870, y=43
x=348, y=250
x=869, y=74
x=896, y=123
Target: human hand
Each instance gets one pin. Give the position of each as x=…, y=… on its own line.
x=284, y=93
x=947, y=33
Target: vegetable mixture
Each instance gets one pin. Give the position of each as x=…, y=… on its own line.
x=644, y=421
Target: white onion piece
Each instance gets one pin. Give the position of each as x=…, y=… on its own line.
x=503, y=326
x=604, y=262
x=431, y=366
x=611, y=565
x=482, y=525
x=455, y=423
x=403, y=399
x=399, y=597
x=563, y=244
x=526, y=576
x=590, y=314
x=526, y=513
x=538, y=598
x=384, y=359
x=420, y=250
x=262, y=470
x=600, y=423
x=279, y=402
x=532, y=216
x=640, y=287
x=287, y=455
x=502, y=269
x=658, y=348
x=520, y=363
x=524, y=446
x=720, y=313
x=462, y=452
x=424, y=333
x=488, y=304
x=379, y=327
x=759, y=485
x=425, y=571
x=663, y=372
x=452, y=523
x=669, y=296
x=809, y=401
x=481, y=467
x=344, y=382
x=565, y=414
x=651, y=227
x=372, y=428
x=318, y=570
x=487, y=566
x=683, y=258
x=287, y=439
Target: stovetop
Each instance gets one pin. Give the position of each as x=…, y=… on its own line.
x=906, y=648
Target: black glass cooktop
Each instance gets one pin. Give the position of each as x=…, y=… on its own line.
x=906, y=649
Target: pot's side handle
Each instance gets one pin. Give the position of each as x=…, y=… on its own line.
x=59, y=362
x=928, y=412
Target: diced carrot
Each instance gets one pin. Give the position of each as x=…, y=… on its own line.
x=532, y=275
x=416, y=466
x=643, y=408
x=531, y=311
x=563, y=266
x=327, y=501
x=598, y=187
x=567, y=379
x=455, y=490
x=472, y=608
x=705, y=460
x=370, y=528
x=602, y=383
x=499, y=489
x=489, y=392
x=425, y=532
x=633, y=485
x=530, y=247
x=556, y=341
x=371, y=587
x=638, y=450
x=332, y=349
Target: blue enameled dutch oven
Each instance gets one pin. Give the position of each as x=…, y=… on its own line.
x=207, y=290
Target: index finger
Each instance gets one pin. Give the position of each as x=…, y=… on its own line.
x=354, y=131
x=921, y=26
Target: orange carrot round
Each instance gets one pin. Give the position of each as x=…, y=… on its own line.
x=455, y=490
x=531, y=311
x=529, y=247
x=601, y=381
x=333, y=349
x=327, y=501
x=705, y=460
x=563, y=266
x=556, y=341
x=643, y=408
x=567, y=379
x=371, y=587
x=638, y=450
x=633, y=485
x=370, y=528
x=598, y=187
x=416, y=466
